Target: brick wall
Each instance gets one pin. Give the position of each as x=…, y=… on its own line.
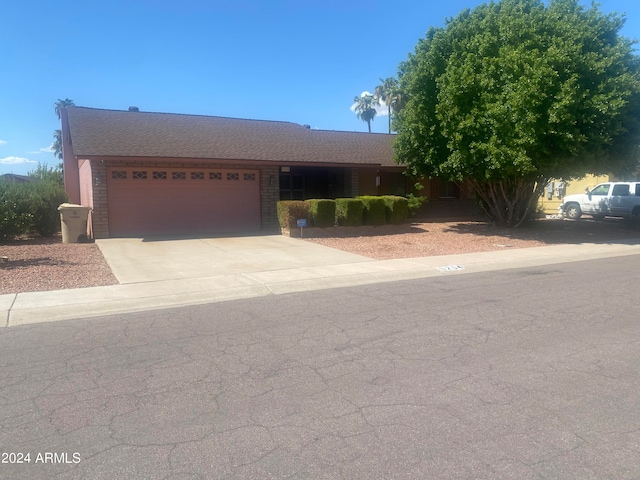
x=269, y=196
x=99, y=215
x=352, y=182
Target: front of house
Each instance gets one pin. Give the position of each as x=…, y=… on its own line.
x=148, y=174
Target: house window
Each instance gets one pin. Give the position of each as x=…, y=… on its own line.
x=179, y=175
x=119, y=174
x=233, y=176
x=159, y=175
x=250, y=176
x=449, y=190
x=139, y=175
x=215, y=176
x=197, y=175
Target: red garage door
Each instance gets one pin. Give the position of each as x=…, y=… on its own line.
x=160, y=201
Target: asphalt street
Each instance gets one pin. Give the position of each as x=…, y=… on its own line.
x=528, y=373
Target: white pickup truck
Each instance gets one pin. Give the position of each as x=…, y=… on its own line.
x=612, y=199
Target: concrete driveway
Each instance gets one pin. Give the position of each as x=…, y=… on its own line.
x=136, y=260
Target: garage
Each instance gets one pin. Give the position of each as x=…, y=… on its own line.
x=164, y=201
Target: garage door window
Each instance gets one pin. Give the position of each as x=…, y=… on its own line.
x=159, y=175
x=233, y=176
x=119, y=174
x=250, y=176
x=139, y=175
x=197, y=175
x=179, y=175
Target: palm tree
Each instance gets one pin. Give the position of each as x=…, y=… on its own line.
x=56, y=146
x=60, y=104
x=365, y=108
x=389, y=92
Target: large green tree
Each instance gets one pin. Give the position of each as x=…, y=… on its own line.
x=516, y=92
x=365, y=108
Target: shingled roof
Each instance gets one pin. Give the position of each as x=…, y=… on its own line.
x=115, y=133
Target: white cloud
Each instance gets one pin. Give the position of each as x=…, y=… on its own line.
x=15, y=161
x=48, y=149
x=381, y=108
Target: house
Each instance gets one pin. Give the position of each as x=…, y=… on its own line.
x=148, y=173
x=556, y=190
x=15, y=178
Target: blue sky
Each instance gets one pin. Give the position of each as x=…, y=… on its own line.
x=290, y=60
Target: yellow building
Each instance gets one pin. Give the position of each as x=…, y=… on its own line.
x=557, y=190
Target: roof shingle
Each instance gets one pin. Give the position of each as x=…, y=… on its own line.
x=114, y=133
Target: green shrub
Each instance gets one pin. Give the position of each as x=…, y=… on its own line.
x=415, y=202
x=16, y=217
x=322, y=212
x=46, y=197
x=396, y=209
x=32, y=206
x=372, y=210
x=349, y=211
x=289, y=211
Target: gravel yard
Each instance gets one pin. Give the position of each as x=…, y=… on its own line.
x=39, y=264
x=452, y=237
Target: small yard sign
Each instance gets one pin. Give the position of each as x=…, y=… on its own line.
x=302, y=222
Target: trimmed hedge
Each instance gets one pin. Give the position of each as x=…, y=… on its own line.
x=396, y=209
x=373, y=210
x=289, y=211
x=349, y=211
x=322, y=212
x=353, y=212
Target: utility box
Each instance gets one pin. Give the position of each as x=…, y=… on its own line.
x=73, y=220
